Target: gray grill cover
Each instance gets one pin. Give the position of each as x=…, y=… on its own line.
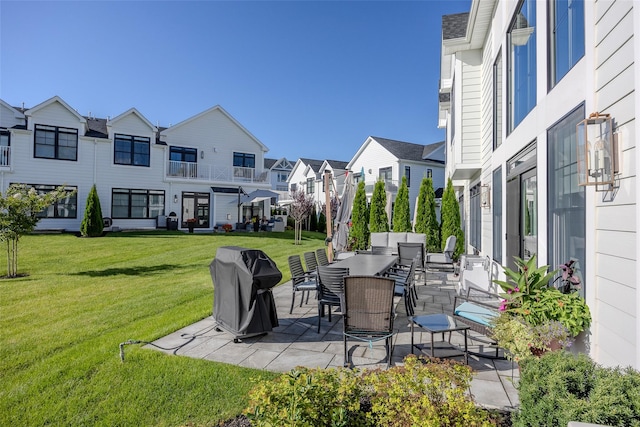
x=242, y=300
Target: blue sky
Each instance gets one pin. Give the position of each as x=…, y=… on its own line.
x=308, y=79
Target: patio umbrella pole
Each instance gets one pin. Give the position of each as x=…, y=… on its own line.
x=327, y=193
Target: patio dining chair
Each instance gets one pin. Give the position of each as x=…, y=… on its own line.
x=405, y=286
x=442, y=260
x=407, y=251
x=381, y=250
x=311, y=262
x=330, y=289
x=368, y=312
x=321, y=255
x=300, y=280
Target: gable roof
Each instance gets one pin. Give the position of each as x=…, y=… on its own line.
x=400, y=149
x=314, y=164
x=16, y=113
x=135, y=112
x=431, y=149
x=268, y=163
x=52, y=100
x=337, y=164
x=227, y=115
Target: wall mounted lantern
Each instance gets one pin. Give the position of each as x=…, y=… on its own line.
x=175, y=198
x=485, y=196
x=597, y=152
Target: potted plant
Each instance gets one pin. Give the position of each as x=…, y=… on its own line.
x=227, y=227
x=531, y=306
x=191, y=224
x=521, y=340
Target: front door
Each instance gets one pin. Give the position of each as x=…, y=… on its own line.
x=196, y=205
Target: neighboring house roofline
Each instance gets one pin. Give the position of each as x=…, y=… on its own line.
x=226, y=114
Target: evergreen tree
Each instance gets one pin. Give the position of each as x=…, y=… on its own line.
x=426, y=219
x=450, y=214
x=421, y=210
x=401, y=211
x=322, y=222
x=359, y=231
x=92, y=224
x=378, y=219
x=313, y=222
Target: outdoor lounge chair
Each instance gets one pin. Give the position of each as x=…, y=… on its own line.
x=330, y=289
x=368, y=312
x=442, y=260
x=300, y=280
x=477, y=309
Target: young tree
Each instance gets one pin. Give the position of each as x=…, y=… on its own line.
x=92, y=224
x=19, y=209
x=300, y=209
x=450, y=213
x=359, y=231
x=401, y=211
x=426, y=220
x=378, y=219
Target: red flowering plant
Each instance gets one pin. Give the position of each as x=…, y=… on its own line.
x=227, y=227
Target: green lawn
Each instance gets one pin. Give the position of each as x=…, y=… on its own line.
x=61, y=326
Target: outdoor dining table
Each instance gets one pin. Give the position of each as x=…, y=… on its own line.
x=367, y=265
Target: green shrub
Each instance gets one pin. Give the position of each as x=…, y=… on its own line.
x=378, y=219
x=92, y=225
x=560, y=387
x=416, y=394
x=401, y=211
x=359, y=230
x=307, y=397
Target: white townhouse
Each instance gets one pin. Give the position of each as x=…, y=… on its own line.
x=518, y=79
x=389, y=160
x=279, y=170
x=143, y=174
x=308, y=175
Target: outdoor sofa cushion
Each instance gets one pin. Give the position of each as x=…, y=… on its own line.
x=476, y=313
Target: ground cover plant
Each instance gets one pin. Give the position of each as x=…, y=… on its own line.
x=62, y=324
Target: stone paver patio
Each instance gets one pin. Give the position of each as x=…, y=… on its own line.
x=295, y=342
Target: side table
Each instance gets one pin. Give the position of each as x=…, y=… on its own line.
x=439, y=323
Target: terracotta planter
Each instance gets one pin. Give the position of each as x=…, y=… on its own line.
x=554, y=346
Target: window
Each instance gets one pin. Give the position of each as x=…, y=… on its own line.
x=129, y=203
x=475, y=217
x=183, y=154
x=310, y=185
x=65, y=208
x=244, y=160
x=294, y=187
x=131, y=150
x=282, y=176
x=566, y=27
x=53, y=142
x=566, y=199
x=385, y=174
x=5, y=151
x=407, y=173
x=521, y=40
x=497, y=102
x=429, y=173
x=497, y=215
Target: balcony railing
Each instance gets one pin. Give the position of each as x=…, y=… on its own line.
x=213, y=173
x=5, y=156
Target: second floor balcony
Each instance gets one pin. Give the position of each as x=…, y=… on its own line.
x=213, y=173
x=390, y=186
